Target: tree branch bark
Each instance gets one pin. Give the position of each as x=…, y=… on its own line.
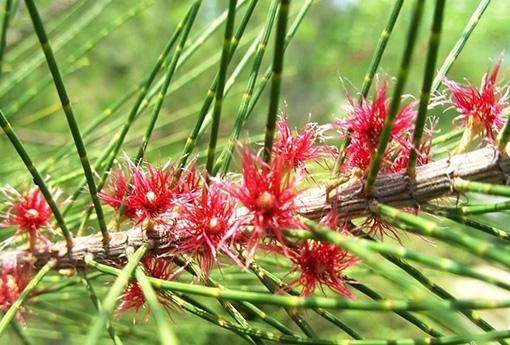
x=433, y=180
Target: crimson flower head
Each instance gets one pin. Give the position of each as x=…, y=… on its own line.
x=269, y=195
x=30, y=213
x=189, y=183
x=296, y=148
x=133, y=297
x=152, y=193
x=208, y=225
x=13, y=281
x=482, y=108
x=401, y=160
x=118, y=193
x=366, y=121
x=321, y=264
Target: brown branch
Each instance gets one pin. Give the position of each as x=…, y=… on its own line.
x=432, y=181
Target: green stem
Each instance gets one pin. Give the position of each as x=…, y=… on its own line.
x=71, y=120
x=479, y=209
x=110, y=154
x=116, y=105
x=459, y=45
x=270, y=280
x=227, y=305
x=440, y=292
x=369, y=76
x=404, y=314
x=199, y=310
x=13, y=309
x=287, y=339
x=165, y=333
x=397, y=95
x=20, y=149
x=445, y=138
x=97, y=304
x=274, y=100
x=69, y=34
x=220, y=86
x=461, y=185
x=293, y=314
x=430, y=68
x=192, y=269
x=166, y=81
x=488, y=229
x=3, y=35
x=310, y=302
x=357, y=246
x=426, y=227
x=113, y=294
x=251, y=97
x=72, y=63
x=192, y=139
x=223, y=160
x=20, y=332
x=62, y=284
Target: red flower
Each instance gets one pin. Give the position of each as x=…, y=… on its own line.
x=401, y=161
x=366, y=121
x=118, y=194
x=13, y=281
x=151, y=193
x=133, y=297
x=188, y=186
x=268, y=193
x=30, y=213
x=320, y=264
x=484, y=107
x=297, y=148
x=207, y=226
x=377, y=227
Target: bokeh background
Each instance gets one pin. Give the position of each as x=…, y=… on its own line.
x=330, y=51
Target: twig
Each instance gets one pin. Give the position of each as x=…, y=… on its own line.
x=433, y=180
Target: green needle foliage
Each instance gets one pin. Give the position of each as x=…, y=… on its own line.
x=68, y=110
x=218, y=100
x=8, y=13
x=276, y=78
x=416, y=254
x=397, y=93
x=372, y=70
x=435, y=37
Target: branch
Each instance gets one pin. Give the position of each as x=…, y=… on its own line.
x=433, y=180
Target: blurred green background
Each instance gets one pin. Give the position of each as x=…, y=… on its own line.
x=332, y=48
x=335, y=42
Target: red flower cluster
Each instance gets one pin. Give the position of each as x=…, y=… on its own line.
x=30, y=213
x=117, y=196
x=423, y=153
x=366, y=122
x=133, y=297
x=319, y=263
x=268, y=194
x=208, y=226
x=13, y=281
x=296, y=148
x=149, y=194
x=482, y=108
